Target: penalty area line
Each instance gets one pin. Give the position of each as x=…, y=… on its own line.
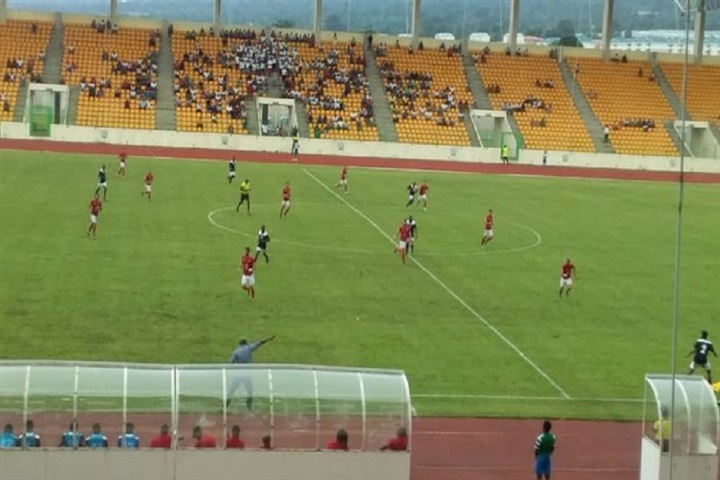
x=450, y=291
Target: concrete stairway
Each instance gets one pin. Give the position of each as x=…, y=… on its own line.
x=253, y=124
x=381, y=106
x=480, y=96
x=165, y=114
x=592, y=124
x=72, y=112
x=52, y=70
x=274, y=85
x=672, y=97
x=669, y=126
x=21, y=102
x=482, y=101
x=302, y=122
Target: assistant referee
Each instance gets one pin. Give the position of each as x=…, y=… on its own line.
x=244, y=195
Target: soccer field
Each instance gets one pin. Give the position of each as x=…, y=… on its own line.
x=478, y=332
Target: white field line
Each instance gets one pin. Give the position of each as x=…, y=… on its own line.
x=451, y=292
x=219, y=225
x=523, y=398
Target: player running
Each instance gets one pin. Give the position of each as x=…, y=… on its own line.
x=566, y=282
x=488, y=232
x=262, y=242
x=148, y=185
x=544, y=448
x=244, y=195
x=123, y=161
x=102, y=182
x=285, y=204
x=343, y=180
x=700, y=351
x=413, y=234
x=412, y=190
x=231, y=170
x=248, y=273
x=295, y=144
x=95, y=209
x=424, y=188
x=403, y=236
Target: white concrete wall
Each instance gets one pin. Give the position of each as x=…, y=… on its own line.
x=10, y=130
x=53, y=464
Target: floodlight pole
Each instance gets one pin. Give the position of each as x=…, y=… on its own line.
x=415, y=25
x=217, y=16
x=113, y=9
x=699, y=31
x=514, y=22
x=317, y=22
x=678, y=241
x=607, y=28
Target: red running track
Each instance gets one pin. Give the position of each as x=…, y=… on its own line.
x=447, y=166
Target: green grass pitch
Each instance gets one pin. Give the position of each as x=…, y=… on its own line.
x=161, y=281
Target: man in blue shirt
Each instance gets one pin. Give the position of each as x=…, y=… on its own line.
x=96, y=439
x=29, y=438
x=243, y=355
x=129, y=439
x=8, y=438
x=72, y=438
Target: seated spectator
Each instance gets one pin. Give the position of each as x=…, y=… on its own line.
x=8, y=438
x=640, y=72
x=340, y=442
x=399, y=443
x=72, y=438
x=29, y=438
x=6, y=106
x=96, y=439
x=71, y=49
x=202, y=440
x=34, y=28
x=234, y=440
x=163, y=440
x=127, y=104
x=129, y=439
x=266, y=443
x=421, y=47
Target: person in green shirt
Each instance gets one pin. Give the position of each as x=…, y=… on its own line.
x=544, y=448
x=662, y=430
x=244, y=195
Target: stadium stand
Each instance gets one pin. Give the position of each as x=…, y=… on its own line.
x=703, y=101
x=532, y=88
x=626, y=98
x=22, y=46
x=116, y=70
x=331, y=81
x=428, y=93
x=216, y=75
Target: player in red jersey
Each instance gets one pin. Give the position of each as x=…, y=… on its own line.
x=488, y=232
x=343, y=180
x=148, y=185
x=566, y=282
x=403, y=236
x=95, y=209
x=123, y=160
x=285, y=205
x=424, y=188
x=248, y=273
